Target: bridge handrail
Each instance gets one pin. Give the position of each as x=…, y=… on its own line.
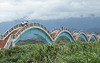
x=92, y=35
x=27, y=26
x=2, y=37
x=60, y=31
x=82, y=32
x=8, y=41
x=54, y=30
x=75, y=32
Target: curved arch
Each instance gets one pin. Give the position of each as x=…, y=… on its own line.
x=93, y=37
x=99, y=38
x=83, y=36
x=37, y=31
x=43, y=33
x=66, y=34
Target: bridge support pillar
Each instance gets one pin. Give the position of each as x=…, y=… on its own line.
x=0, y=37
x=13, y=44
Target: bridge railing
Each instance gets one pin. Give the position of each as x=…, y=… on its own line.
x=60, y=31
x=54, y=30
x=9, y=31
x=75, y=32
x=30, y=25
x=8, y=43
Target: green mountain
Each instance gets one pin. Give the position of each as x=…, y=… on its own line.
x=29, y=41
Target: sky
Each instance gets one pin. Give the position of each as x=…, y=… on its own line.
x=11, y=10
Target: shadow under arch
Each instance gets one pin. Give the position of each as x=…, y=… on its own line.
x=83, y=37
x=36, y=31
x=93, y=37
x=65, y=34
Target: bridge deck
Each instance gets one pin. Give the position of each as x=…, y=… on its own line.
x=3, y=42
x=54, y=33
x=88, y=36
x=75, y=35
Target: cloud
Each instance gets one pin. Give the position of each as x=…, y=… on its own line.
x=11, y=10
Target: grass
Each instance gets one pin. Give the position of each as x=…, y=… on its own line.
x=59, y=52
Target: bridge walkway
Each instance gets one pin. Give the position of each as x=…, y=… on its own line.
x=54, y=33
x=3, y=42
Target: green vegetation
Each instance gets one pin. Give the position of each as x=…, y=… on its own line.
x=59, y=52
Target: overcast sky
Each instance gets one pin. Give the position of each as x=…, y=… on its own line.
x=11, y=10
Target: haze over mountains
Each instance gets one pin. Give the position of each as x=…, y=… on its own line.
x=89, y=24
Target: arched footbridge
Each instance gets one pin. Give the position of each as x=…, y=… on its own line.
x=14, y=34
